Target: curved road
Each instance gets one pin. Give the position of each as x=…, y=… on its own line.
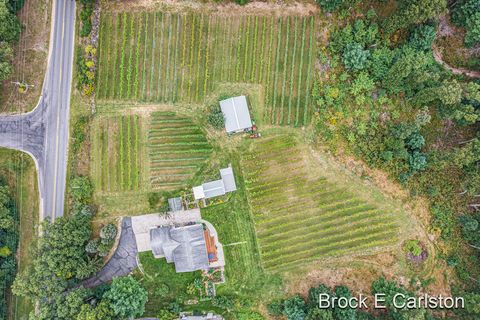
x=43, y=133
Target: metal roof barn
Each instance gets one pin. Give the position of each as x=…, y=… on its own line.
x=236, y=113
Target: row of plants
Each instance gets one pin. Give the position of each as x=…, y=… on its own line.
x=284, y=75
x=293, y=63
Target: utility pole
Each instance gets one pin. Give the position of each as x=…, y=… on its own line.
x=22, y=86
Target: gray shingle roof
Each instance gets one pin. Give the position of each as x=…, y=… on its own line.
x=235, y=111
x=175, y=204
x=228, y=179
x=184, y=246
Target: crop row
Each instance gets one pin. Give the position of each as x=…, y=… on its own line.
x=117, y=155
x=177, y=149
x=164, y=57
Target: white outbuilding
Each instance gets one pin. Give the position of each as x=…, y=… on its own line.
x=236, y=113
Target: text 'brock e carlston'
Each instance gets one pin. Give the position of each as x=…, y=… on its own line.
x=399, y=301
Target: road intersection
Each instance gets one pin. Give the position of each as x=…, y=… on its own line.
x=43, y=132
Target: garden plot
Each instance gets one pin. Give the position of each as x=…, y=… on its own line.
x=177, y=149
x=165, y=57
x=301, y=216
x=117, y=153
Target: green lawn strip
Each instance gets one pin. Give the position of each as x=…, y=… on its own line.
x=292, y=72
x=263, y=42
x=121, y=168
x=162, y=60
x=136, y=147
x=131, y=50
x=277, y=62
x=174, y=83
x=125, y=28
x=190, y=63
x=268, y=108
x=309, y=68
x=284, y=75
x=145, y=55
x=129, y=151
x=253, y=68
x=152, y=53
x=184, y=54
x=198, y=62
x=138, y=50
x=206, y=75
x=234, y=224
x=300, y=68
x=238, y=56
x=116, y=55
x=167, y=81
x=246, y=55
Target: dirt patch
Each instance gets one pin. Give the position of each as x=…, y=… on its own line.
x=223, y=9
x=30, y=58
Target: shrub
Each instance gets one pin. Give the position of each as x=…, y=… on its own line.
x=330, y=5
x=294, y=308
x=92, y=246
x=216, y=118
x=127, y=297
x=162, y=290
x=355, y=57
x=413, y=247
x=422, y=37
x=81, y=189
x=108, y=232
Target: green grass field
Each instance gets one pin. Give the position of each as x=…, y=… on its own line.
x=299, y=215
x=177, y=149
x=165, y=57
x=117, y=153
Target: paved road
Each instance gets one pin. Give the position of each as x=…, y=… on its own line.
x=43, y=133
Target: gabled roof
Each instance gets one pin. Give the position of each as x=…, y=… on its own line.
x=228, y=179
x=184, y=246
x=237, y=116
x=213, y=189
x=175, y=204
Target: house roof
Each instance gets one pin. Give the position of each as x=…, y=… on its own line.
x=235, y=111
x=184, y=246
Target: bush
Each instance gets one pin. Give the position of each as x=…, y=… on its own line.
x=81, y=189
x=330, y=5
x=162, y=290
x=92, y=246
x=294, y=308
x=355, y=57
x=413, y=247
x=108, y=232
x=216, y=118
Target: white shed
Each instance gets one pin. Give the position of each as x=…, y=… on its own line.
x=236, y=113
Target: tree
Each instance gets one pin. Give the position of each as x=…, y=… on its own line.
x=319, y=314
x=294, y=308
x=216, y=118
x=422, y=37
x=355, y=57
x=472, y=36
x=69, y=305
x=127, y=297
x=6, y=56
x=330, y=5
x=414, y=11
x=472, y=303
x=102, y=311
x=9, y=24
x=275, y=308
x=314, y=294
x=346, y=313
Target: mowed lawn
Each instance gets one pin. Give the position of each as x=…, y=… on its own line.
x=301, y=216
x=166, y=57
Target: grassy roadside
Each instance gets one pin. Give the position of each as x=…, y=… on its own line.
x=21, y=175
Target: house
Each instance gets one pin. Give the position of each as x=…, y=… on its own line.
x=236, y=113
x=218, y=187
x=181, y=237
x=175, y=204
x=185, y=246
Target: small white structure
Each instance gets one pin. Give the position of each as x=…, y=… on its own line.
x=237, y=116
x=218, y=187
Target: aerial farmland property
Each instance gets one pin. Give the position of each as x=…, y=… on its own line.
x=241, y=160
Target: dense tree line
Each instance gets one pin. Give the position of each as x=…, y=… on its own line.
x=8, y=243
x=10, y=28
x=388, y=102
